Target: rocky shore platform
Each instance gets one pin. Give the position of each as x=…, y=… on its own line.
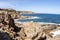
x=29, y=31
x=36, y=31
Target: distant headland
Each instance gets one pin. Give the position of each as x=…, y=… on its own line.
x=13, y=10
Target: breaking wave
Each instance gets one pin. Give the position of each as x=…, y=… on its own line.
x=33, y=18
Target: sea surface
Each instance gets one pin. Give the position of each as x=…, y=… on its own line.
x=46, y=18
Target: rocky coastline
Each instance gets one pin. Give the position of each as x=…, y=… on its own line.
x=9, y=30
x=15, y=14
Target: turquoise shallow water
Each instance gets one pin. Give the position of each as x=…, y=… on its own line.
x=49, y=18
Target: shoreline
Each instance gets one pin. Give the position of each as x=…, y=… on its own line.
x=16, y=21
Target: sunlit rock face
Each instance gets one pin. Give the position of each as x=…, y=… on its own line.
x=31, y=29
x=35, y=31
x=13, y=12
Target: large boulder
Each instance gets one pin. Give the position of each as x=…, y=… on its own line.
x=4, y=36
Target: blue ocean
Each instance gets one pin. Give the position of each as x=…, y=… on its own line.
x=48, y=18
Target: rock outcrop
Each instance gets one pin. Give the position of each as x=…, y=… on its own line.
x=13, y=12
x=4, y=36
x=7, y=25
x=35, y=31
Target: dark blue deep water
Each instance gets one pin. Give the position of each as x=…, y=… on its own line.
x=49, y=18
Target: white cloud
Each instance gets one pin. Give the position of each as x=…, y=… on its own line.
x=6, y=5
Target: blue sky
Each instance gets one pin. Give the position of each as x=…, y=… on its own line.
x=39, y=6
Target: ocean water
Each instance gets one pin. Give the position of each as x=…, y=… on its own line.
x=48, y=18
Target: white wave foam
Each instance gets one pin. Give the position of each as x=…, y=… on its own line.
x=56, y=33
x=47, y=23
x=19, y=22
x=34, y=18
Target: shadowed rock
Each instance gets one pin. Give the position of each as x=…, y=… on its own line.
x=4, y=36
x=12, y=24
x=42, y=38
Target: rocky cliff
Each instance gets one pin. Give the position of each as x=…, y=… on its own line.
x=15, y=14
